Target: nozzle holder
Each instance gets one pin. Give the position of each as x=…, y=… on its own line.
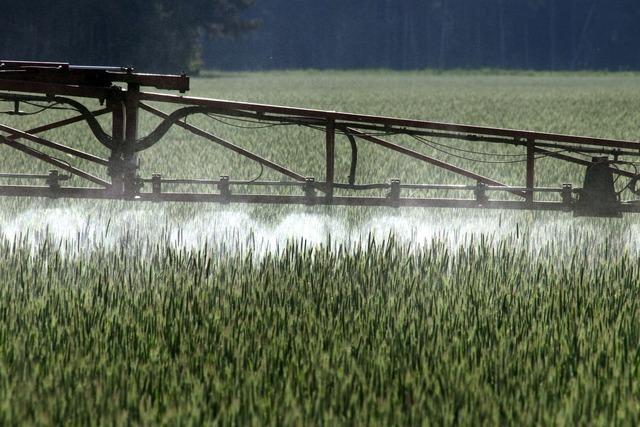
x=156, y=186
x=310, y=190
x=567, y=196
x=394, y=192
x=224, y=188
x=480, y=194
x=54, y=178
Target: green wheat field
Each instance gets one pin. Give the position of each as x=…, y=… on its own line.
x=120, y=313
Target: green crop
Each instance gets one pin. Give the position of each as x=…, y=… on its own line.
x=117, y=313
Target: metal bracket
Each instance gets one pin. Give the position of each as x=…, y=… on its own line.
x=224, y=188
x=394, y=193
x=53, y=180
x=567, y=196
x=310, y=190
x=481, y=194
x=156, y=186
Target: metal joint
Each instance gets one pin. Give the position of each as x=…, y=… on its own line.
x=616, y=154
x=54, y=178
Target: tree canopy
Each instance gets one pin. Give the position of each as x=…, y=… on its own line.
x=170, y=35
x=410, y=34
x=158, y=35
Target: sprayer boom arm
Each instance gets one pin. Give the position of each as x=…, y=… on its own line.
x=120, y=88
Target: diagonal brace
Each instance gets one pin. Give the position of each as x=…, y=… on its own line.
x=53, y=161
x=582, y=162
x=204, y=134
x=62, y=123
x=15, y=134
x=431, y=160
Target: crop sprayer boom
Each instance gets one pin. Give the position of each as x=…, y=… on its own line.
x=119, y=91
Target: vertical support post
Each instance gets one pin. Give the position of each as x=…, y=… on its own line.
x=131, y=135
x=118, y=133
x=330, y=151
x=531, y=173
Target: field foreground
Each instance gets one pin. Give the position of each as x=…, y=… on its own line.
x=189, y=315
x=380, y=335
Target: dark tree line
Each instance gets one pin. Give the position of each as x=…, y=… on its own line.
x=169, y=35
x=410, y=34
x=159, y=35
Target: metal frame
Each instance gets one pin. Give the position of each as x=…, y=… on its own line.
x=119, y=90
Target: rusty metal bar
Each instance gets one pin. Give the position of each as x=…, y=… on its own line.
x=16, y=133
x=345, y=186
x=159, y=81
x=79, y=75
x=130, y=137
x=24, y=176
x=531, y=169
x=56, y=89
x=582, y=162
x=330, y=152
x=91, y=193
x=52, y=161
x=15, y=65
x=387, y=121
x=32, y=191
x=506, y=140
x=226, y=144
x=61, y=123
x=354, y=159
x=431, y=160
x=118, y=120
x=381, y=128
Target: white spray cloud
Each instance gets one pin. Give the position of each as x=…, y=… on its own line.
x=233, y=229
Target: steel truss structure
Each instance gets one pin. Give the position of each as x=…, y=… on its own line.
x=120, y=92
